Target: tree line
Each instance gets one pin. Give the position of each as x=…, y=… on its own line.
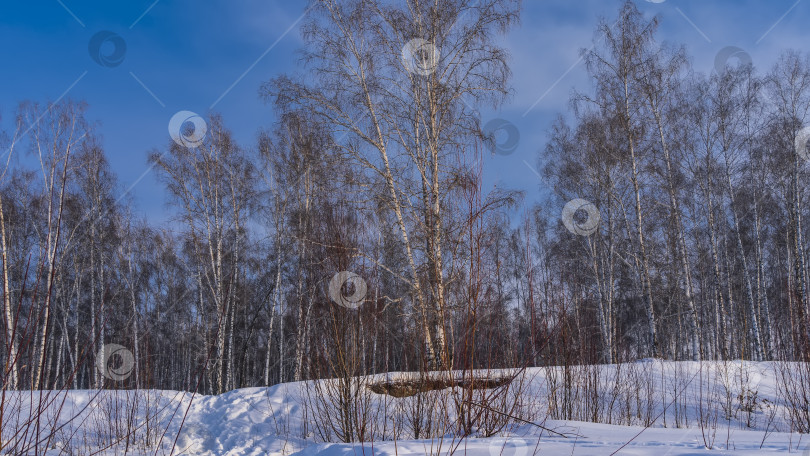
x=356, y=236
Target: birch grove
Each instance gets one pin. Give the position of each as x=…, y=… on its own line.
x=356, y=235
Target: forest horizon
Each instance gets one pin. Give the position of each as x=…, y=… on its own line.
x=356, y=250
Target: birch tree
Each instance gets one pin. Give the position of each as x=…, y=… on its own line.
x=213, y=185
x=395, y=83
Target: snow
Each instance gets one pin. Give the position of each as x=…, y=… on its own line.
x=261, y=421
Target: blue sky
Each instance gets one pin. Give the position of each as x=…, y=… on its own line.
x=186, y=54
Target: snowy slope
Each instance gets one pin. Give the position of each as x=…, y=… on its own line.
x=260, y=421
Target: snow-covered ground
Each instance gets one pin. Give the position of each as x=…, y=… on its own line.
x=739, y=404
